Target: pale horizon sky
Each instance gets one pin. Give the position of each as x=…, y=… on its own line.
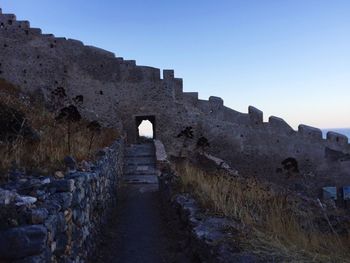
x=288, y=58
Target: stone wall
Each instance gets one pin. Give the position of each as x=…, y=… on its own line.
x=59, y=220
x=116, y=91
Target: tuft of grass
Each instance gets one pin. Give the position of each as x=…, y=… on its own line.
x=276, y=223
x=46, y=154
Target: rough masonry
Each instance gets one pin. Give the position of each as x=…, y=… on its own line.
x=120, y=93
x=45, y=219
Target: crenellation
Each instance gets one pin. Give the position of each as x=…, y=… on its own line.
x=101, y=51
x=48, y=36
x=234, y=116
x=130, y=62
x=280, y=125
x=23, y=24
x=255, y=115
x=217, y=101
x=168, y=74
x=8, y=19
x=116, y=89
x=35, y=31
x=60, y=39
x=337, y=138
x=311, y=132
x=177, y=86
x=150, y=73
x=75, y=42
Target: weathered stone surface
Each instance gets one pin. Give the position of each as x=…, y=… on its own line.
x=39, y=215
x=70, y=212
x=22, y=241
x=6, y=196
x=212, y=236
x=64, y=199
x=25, y=200
x=118, y=91
x=63, y=185
x=59, y=174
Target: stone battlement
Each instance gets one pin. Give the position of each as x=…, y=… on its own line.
x=116, y=90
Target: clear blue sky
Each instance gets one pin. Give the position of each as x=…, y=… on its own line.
x=289, y=58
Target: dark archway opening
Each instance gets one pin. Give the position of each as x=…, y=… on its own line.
x=145, y=127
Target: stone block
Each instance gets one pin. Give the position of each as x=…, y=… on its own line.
x=63, y=185
x=51, y=225
x=23, y=241
x=64, y=199
x=256, y=115
x=310, y=132
x=61, y=243
x=337, y=138
x=7, y=197
x=168, y=74
x=25, y=200
x=38, y=215
x=216, y=101
x=280, y=124
x=329, y=192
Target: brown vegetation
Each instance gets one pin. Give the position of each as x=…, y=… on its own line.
x=274, y=222
x=46, y=154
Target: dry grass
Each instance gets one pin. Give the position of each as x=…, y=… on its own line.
x=47, y=154
x=275, y=223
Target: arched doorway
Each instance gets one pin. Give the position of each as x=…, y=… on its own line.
x=145, y=126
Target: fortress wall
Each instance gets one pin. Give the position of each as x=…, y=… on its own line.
x=255, y=115
x=310, y=133
x=281, y=125
x=337, y=139
x=215, y=108
x=115, y=89
x=231, y=115
x=190, y=98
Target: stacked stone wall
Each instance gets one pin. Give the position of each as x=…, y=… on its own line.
x=59, y=220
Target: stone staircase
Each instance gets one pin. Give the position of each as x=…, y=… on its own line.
x=140, y=164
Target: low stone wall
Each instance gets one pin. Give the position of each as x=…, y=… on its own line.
x=50, y=220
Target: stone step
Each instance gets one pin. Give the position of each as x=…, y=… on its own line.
x=139, y=151
x=135, y=165
x=139, y=156
x=140, y=179
x=140, y=161
x=139, y=174
x=139, y=167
